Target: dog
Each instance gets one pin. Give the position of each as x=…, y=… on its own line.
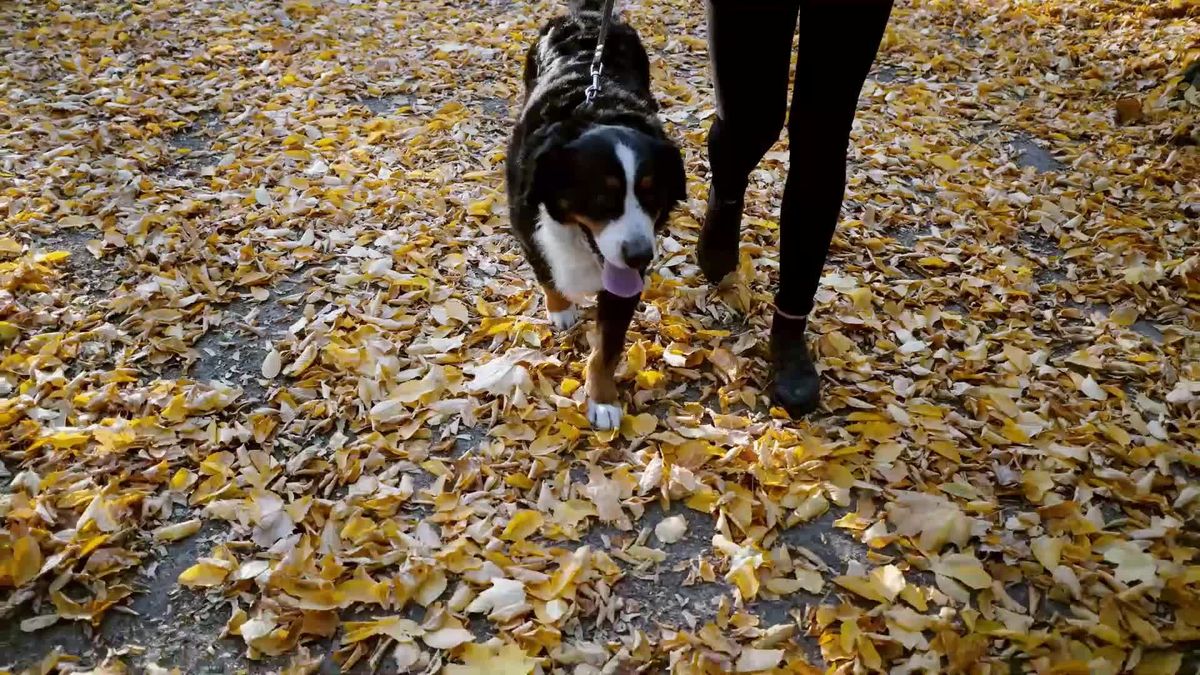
x=591, y=183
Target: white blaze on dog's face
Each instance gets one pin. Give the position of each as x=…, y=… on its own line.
x=615, y=182
x=628, y=241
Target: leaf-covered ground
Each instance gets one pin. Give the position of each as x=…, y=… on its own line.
x=275, y=383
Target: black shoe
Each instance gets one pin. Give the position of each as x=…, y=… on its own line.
x=717, y=251
x=797, y=386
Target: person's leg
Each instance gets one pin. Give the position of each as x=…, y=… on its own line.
x=837, y=44
x=750, y=47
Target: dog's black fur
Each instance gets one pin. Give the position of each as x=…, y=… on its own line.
x=556, y=78
x=605, y=167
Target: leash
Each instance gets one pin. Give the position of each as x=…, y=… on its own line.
x=598, y=56
x=593, y=89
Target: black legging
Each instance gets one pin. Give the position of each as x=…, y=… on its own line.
x=750, y=42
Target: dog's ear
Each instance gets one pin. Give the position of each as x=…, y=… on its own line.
x=668, y=160
x=551, y=175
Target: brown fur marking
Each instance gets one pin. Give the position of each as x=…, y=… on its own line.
x=555, y=301
x=601, y=386
x=590, y=224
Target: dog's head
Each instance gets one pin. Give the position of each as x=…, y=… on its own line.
x=617, y=182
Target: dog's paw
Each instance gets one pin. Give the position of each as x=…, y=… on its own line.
x=565, y=319
x=604, y=416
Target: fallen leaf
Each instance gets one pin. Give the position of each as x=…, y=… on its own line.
x=756, y=660
x=965, y=568
x=271, y=364
x=491, y=659
x=522, y=525
x=177, y=531
x=671, y=529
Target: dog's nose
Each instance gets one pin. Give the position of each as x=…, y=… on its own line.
x=637, y=253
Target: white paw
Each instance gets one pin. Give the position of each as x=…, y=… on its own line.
x=604, y=416
x=565, y=319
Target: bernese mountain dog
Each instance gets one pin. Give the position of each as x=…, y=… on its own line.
x=590, y=183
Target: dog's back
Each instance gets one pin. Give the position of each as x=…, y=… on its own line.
x=590, y=182
x=557, y=65
x=557, y=74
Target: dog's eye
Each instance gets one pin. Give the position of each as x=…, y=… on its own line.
x=612, y=182
x=646, y=183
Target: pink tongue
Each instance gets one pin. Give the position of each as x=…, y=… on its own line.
x=621, y=281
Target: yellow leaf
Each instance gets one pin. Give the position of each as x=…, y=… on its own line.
x=481, y=207
x=861, y=586
x=478, y=659
x=569, y=385
x=1105, y=632
x=912, y=595
x=395, y=627
x=524, y=523
x=568, y=514
x=649, y=379
x=519, y=481
x=866, y=651
x=177, y=531
x=938, y=521
x=27, y=560
x=1092, y=389
x=810, y=580
x=1159, y=663
x=357, y=528
x=965, y=568
x=888, y=581
x=744, y=577
x=945, y=162
x=563, y=580
x=638, y=426
x=53, y=256
x=814, y=505
x=1018, y=357
x=182, y=479
x=431, y=588
x=1133, y=564
x=271, y=364
x=635, y=357
x=176, y=410
x=203, y=574
x=412, y=390
x=362, y=589
x=1118, y=434
x=1013, y=432
x=757, y=660
x=1037, y=483
x=783, y=585
x=448, y=637
x=9, y=331
x=839, y=475
x=848, y=635
x=1048, y=551
x=63, y=439
x=946, y=449
x=1124, y=315
x=703, y=500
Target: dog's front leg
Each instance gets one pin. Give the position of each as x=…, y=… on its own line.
x=613, y=315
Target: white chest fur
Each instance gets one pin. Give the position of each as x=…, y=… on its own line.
x=572, y=263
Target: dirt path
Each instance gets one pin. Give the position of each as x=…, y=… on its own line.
x=291, y=402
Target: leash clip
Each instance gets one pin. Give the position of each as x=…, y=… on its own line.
x=594, y=88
